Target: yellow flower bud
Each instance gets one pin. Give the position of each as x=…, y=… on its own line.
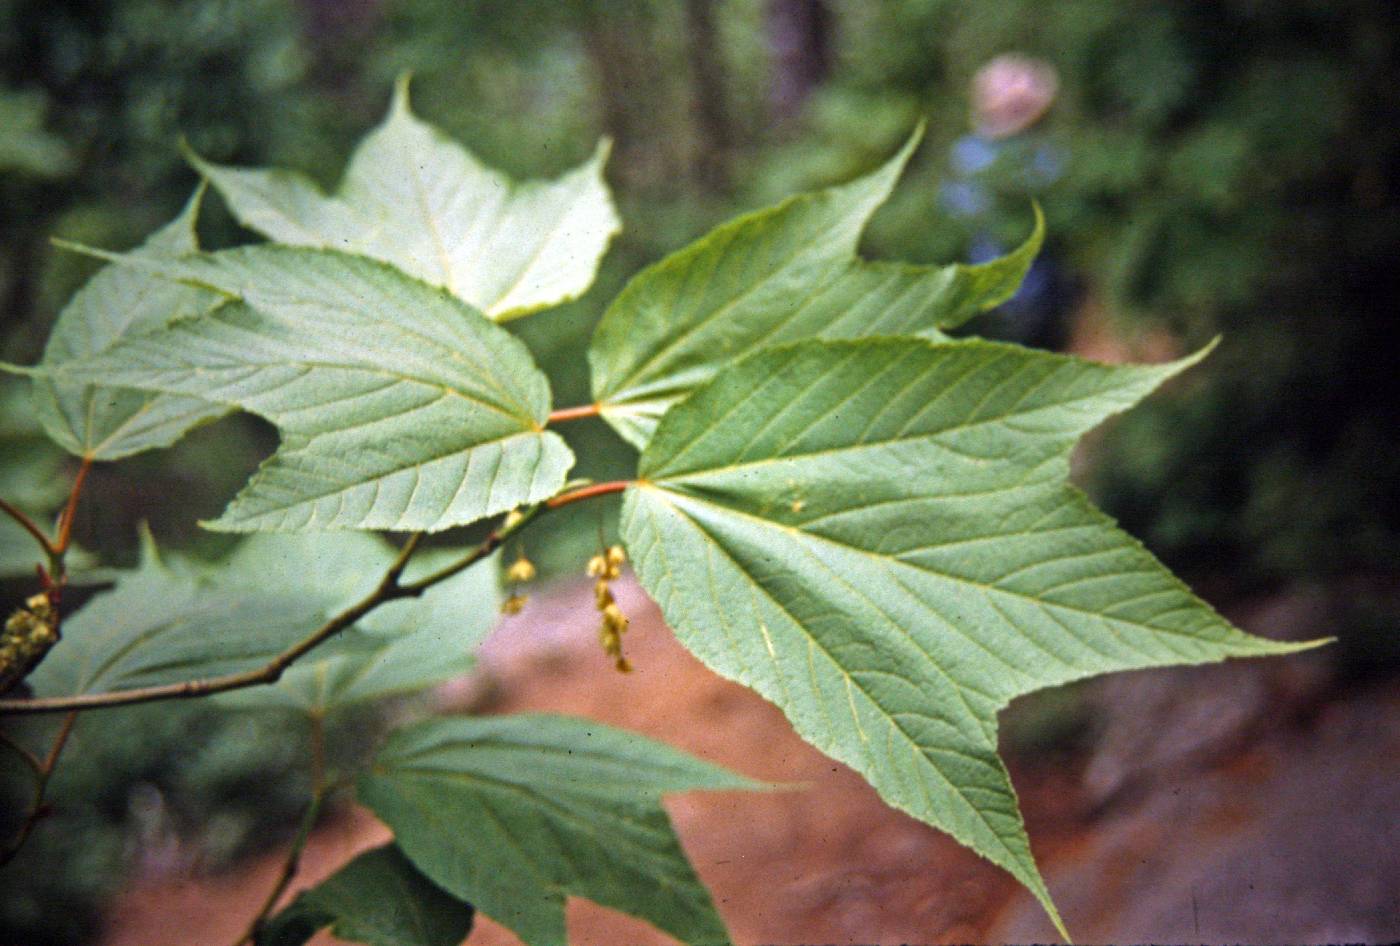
x=602, y=594
x=597, y=567
x=514, y=604
x=615, y=619
x=616, y=555
x=522, y=569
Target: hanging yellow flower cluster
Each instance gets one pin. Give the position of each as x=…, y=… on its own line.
x=605, y=568
x=27, y=636
x=519, y=572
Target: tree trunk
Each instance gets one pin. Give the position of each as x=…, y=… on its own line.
x=711, y=110
x=799, y=42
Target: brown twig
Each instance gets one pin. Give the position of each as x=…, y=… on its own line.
x=564, y=414
x=488, y=545
x=42, y=774
x=390, y=588
x=30, y=759
x=29, y=526
x=317, y=740
x=289, y=869
x=319, y=793
x=268, y=673
x=65, y=519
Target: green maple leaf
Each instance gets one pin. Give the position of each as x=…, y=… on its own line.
x=400, y=407
x=379, y=899
x=878, y=537
x=416, y=199
x=101, y=422
x=778, y=275
x=174, y=619
x=516, y=813
x=401, y=647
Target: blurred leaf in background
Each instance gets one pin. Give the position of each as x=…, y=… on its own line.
x=26, y=147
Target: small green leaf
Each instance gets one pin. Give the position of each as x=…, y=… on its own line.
x=26, y=147
x=400, y=407
x=516, y=813
x=107, y=423
x=379, y=899
x=174, y=619
x=416, y=199
x=878, y=537
x=779, y=275
x=401, y=647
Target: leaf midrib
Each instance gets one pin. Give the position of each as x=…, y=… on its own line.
x=920, y=750
x=897, y=563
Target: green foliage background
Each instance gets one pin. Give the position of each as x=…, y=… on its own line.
x=1232, y=168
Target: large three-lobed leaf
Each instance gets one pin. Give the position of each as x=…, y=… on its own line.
x=878, y=537
x=779, y=275
x=416, y=199
x=516, y=813
x=400, y=407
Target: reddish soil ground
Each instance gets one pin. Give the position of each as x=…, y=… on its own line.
x=1220, y=804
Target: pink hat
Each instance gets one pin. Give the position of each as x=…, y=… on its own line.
x=1011, y=93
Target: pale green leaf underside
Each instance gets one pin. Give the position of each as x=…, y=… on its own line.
x=379, y=899
x=416, y=199
x=401, y=647
x=776, y=276
x=879, y=538
x=108, y=423
x=399, y=406
x=175, y=619
x=169, y=621
x=516, y=813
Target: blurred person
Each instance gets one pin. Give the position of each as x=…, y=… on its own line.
x=995, y=171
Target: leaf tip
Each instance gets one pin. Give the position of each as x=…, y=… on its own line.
x=602, y=152
x=1037, y=237
x=399, y=104
x=146, y=542
x=28, y=371
x=82, y=249
x=900, y=158
x=917, y=135
x=1276, y=648
x=224, y=524
x=1171, y=369
x=193, y=157
x=188, y=217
